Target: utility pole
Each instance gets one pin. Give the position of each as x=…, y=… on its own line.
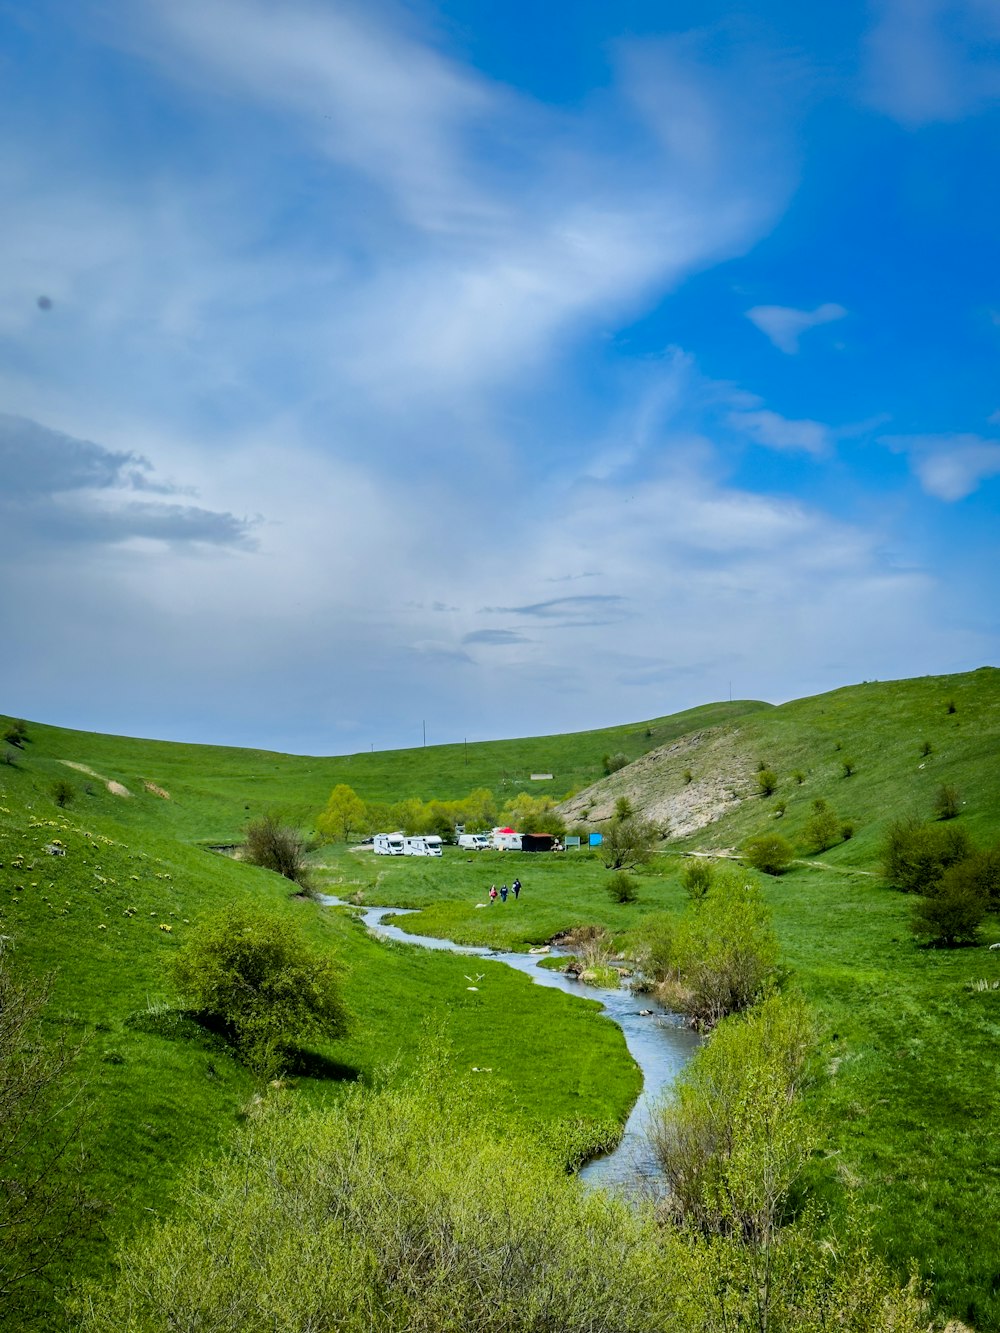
x=425, y=734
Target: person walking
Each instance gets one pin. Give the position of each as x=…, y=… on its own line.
x=493, y=894
x=503, y=893
x=516, y=886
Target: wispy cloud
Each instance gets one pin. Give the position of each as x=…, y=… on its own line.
x=497, y=638
x=933, y=60
x=785, y=325
x=949, y=467
x=778, y=432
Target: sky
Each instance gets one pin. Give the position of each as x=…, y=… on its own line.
x=476, y=369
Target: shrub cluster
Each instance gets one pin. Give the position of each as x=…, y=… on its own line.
x=957, y=883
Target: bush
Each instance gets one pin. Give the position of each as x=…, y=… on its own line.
x=613, y=762
x=914, y=855
x=823, y=828
x=62, y=792
x=687, y=777
x=769, y=852
x=718, y=959
x=697, y=877
x=799, y=777
x=627, y=842
x=947, y=801
x=732, y=1139
x=257, y=976
x=953, y=912
x=16, y=733
x=275, y=846
x=622, y=888
x=767, y=781
x=848, y=767
x=926, y=748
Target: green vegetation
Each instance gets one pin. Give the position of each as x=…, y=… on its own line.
x=769, y=852
x=277, y=847
x=904, y=1119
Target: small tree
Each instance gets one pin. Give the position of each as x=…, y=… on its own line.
x=696, y=878
x=947, y=801
x=345, y=813
x=767, y=781
x=16, y=733
x=62, y=792
x=613, y=762
x=622, y=888
x=769, y=852
x=914, y=855
x=275, y=846
x=627, y=842
x=823, y=828
x=848, y=767
x=953, y=912
x=259, y=978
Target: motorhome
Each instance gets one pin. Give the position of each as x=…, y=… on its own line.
x=388, y=844
x=506, y=840
x=475, y=842
x=424, y=844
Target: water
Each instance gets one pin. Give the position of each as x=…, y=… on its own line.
x=657, y=1040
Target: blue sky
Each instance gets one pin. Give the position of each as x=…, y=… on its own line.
x=508, y=368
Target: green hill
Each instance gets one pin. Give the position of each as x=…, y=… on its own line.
x=909, y=1035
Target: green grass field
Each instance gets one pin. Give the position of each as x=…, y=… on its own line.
x=909, y=1103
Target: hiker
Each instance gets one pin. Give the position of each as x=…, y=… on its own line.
x=493, y=893
x=516, y=886
x=503, y=893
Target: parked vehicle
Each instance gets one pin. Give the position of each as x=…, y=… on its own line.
x=475, y=842
x=423, y=844
x=506, y=840
x=388, y=844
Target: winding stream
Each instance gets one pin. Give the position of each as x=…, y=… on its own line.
x=657, y=1040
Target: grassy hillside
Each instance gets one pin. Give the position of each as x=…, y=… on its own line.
x=909, y=1101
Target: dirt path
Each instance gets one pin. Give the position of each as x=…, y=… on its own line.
x=115, y=788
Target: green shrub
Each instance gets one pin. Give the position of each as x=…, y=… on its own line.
x=257, y=976
x=799, y=777
x=614, y=762
x=627, y=842
x=769, y=852
x=914, y=854
x=16, y=733
x=63, y=792
x=718, y=959
x=623, y=888
x=947, y=801
x=953, y=912
x=275, y=846
x=687, y=776
x=848, y=767
x=926, y=748
x=767, y=781
x=823, y=828
x=696, y=877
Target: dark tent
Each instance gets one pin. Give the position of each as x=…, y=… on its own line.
x=536, y=842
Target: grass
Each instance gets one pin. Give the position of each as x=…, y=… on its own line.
x=909, y=1106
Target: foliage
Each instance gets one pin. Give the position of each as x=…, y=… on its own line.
x=260, y=978
x=43, y=1211
x=915, y=854
x=926, y=748
x=731, y=1139
x=848, y=767
x=408, y=1213
x=696, y=877
x=719, y=958
x=953, y=910
x=623, y=888
x=823, y=827
x=16, y=733
x=345, y=813
x=533, y=814
x=769, y=852
x=63, y=792
x=612, y=763
x=275, y=846
x=947, y=801
x=628, y=841
x=767, y=781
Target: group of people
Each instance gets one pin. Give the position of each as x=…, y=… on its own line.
x=503, y=891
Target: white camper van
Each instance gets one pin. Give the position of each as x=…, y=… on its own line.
x=475, y=842
x=424, y=844
x=388, y=844
x=506, y=840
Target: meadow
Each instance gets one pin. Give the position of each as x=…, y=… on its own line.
x=907, y=1098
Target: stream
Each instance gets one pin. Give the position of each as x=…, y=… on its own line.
x=656, y=1038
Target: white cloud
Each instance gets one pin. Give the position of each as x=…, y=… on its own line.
x=785, y=325
x=778, y=432
x=949, y=467
x=933, y=60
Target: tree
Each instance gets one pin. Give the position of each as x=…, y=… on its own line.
x=278, y=847
x=767, y=781
x=914, y=855
x=952, y=912
x=627, y=842
x=258, y=977
x=343, y=814
x=16, y=733
x=769, y=852
x=947, y=801
x=614, y=762
x=697, y=877
x=62, y=792
x=533, y=814
x=823, y=828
